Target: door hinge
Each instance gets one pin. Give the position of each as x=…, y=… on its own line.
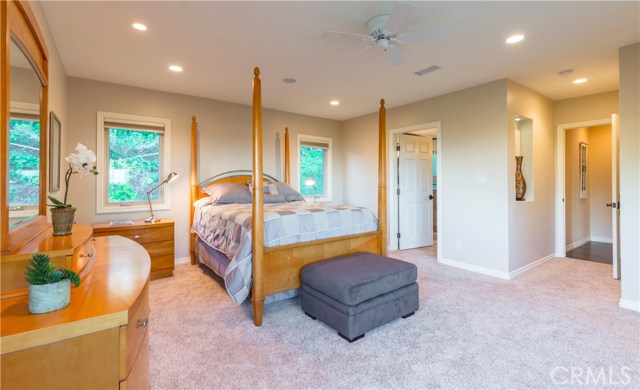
x=398, y=191
x=397, y=148
x=398, y=235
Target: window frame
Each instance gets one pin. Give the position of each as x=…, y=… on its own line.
x=102, y=184
x=328, y=196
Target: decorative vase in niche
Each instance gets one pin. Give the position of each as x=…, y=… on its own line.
x=521, y=184
x=62, y=220
x=44, y=298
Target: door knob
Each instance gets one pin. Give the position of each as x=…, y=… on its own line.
x=614, y=205
x=430, y=197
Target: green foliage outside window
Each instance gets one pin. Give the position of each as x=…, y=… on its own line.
x=134, y=164
x=312, y=165
x=24, y=162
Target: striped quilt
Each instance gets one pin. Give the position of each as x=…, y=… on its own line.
x=227, y=228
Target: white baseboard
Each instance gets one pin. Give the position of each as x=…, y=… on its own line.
x=578, y=243
x=527, y=267
x=475, y=268
x=606, y=240
x=183, y=260
x=630, y=305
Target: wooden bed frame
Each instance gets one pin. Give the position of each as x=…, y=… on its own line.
x=277, y=269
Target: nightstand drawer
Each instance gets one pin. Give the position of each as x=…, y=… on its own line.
x=162, y=263
x=156, y=249
x=142, y=236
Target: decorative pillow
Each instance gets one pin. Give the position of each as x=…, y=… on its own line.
x=289, y=193
x=274, y=198
x=224, y=193
x=268, y=187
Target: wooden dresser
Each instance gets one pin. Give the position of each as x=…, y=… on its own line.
x=155, y=237
x=100, y=340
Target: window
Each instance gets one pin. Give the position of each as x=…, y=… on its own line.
x=133, y=157
x=24, y=159
x=314, y=168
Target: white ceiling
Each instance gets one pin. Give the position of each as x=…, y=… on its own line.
x=219, y=43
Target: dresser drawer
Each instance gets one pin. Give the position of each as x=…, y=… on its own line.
x=135, y=331
x=138, y=378
x=142, y=236
x=156, y=249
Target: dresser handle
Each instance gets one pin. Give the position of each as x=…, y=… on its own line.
x=136, y=236
x=87, y=255
x=142, y=323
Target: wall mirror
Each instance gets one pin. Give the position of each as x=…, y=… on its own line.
x=24, y=139
x=24, y=127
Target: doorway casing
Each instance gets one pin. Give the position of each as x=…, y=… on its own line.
x=392, y=213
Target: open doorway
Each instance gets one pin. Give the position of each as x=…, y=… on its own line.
x=587, y=191
x=413, y=187
x=587, y=222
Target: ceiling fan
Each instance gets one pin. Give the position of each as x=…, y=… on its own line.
x=384, y=33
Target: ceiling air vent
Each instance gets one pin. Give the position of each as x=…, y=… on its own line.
x=424, y=71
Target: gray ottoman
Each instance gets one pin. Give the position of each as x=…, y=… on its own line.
x=359, y=292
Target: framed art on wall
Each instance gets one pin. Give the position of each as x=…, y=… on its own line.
x=55, y=129
x=583, y=170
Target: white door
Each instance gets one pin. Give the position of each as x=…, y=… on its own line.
x=416, y=192
x=615, y=193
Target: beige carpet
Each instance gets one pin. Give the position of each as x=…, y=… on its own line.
x=558, y=325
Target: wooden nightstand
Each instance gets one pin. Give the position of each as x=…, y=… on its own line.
x=156, y=238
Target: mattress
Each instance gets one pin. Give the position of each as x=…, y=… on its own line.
x=227, y=229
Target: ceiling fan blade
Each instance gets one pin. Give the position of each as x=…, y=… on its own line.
x=347, y=35
x=352, y=53
x=398, y=15
x=394, y=56
x=435, y=34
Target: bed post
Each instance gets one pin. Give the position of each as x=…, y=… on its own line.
x=382, y=178
x=287, y=158
x=194, y=185
x=257, y=289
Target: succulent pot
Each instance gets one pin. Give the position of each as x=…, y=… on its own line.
x=62, y=220
x=44, y=298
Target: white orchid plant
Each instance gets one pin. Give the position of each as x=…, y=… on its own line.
x=82, y=163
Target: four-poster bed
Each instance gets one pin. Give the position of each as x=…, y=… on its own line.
x=277, y=269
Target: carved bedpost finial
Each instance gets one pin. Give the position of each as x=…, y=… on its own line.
x=286, y=129
x=256, y=71
x=382, y=102
x=193, y=118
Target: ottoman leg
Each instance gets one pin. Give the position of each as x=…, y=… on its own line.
x=406, y=315
x=351, y=340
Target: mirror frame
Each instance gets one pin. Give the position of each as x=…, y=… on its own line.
x=21, y=26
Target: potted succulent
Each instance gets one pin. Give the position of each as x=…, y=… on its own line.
x=62, y=213
x=49, y=288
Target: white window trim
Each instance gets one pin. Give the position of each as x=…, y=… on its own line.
x=329, y=178
x=102, y=206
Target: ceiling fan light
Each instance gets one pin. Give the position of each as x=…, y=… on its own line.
x=514, y=39
x=334, y=103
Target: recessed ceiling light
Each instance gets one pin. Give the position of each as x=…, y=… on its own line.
x=580, y=81
x=139, y=26
x=518, y=119
x=289, y=80
x=334, y=103
x=515, y=38
x=175, y=68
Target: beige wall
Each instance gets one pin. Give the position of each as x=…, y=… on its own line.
x=599, y=165
x=473, y=142
x=224, y=131
x=577, y=211
x=587, y=108
x=630, y=173
x=531, y=222
x=57, y=81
